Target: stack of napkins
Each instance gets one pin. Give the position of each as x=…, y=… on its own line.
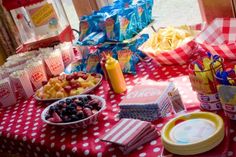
x=129, y=134
x=147, y=102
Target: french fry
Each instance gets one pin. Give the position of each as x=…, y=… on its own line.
x=170, y=38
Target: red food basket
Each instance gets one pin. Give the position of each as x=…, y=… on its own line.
x=178, y=56
x=219, y=37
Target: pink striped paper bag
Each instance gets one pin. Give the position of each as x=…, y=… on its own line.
x=54, y=63
x=7, y=96
x=22, y=84
x=36, y=73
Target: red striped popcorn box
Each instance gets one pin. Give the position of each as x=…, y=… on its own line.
x=67, y=52
x=219, y=37
x=36, y=72
x=7, y=96
x=21, y=84
x=180, y=55
x=54, y=63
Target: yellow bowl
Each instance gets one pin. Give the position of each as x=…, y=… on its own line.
x=193, y=133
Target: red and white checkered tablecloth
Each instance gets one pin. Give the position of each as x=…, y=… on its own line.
x=22, y=130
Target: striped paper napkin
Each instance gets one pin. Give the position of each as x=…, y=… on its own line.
x=129, y=134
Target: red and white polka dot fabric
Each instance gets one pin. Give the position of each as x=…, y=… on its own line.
x=22, y=130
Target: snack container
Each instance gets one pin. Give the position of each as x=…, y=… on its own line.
x=211, y=106
x=7, y=96
x=228, y=100
x=67, y=52
x=36, y=72
x=219, y=37
x=180, y=55
x=210, y=102
x=203, y=82
x=54, y=63
x=19, y=59
x=21, y=84
x=229, y=107
x=208, y=97
x=230, y=115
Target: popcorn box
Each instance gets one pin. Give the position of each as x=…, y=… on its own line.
x=7, y=96
x=67, y=53
x=21, y=84
x=36, y=73
x=219, y=37
x=54, y=63
x=180, y=55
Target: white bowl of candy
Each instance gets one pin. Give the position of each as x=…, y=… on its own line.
x=75, y=111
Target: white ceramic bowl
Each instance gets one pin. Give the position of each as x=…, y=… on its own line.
x=75, y=124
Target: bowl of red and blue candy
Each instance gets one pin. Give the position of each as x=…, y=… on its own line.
x=74, y=111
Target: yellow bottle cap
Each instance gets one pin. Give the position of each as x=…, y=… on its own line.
x=110, y=60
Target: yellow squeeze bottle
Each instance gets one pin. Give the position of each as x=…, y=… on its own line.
x=115, y=75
